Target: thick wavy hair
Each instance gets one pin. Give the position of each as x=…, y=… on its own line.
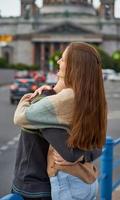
x=84, y=75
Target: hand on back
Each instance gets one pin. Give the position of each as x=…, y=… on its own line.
x=39, y=91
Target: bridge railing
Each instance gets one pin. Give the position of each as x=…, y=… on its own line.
x=107, y=166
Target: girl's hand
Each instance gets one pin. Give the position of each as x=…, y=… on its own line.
x=26, y=96
x=59, y=160
x=39, y=91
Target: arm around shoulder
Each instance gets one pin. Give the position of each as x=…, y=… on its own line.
x=19, y=115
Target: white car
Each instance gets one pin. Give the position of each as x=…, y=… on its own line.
x=114, y=77
x=108, y=73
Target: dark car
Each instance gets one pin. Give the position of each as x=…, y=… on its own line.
x=21, y=87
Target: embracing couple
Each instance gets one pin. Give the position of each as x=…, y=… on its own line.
x=63, y=130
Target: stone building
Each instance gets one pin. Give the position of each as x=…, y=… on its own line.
x=38, y=33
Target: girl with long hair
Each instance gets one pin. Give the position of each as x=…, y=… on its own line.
x=80, y=109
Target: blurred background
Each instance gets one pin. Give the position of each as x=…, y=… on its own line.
x=33, y=34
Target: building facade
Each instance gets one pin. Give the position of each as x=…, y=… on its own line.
x=38, y=33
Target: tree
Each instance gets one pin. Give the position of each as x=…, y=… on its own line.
x=116, y=58
x=107, y=60
x=53, y=60
x=3, y=63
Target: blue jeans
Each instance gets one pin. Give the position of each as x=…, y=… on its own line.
x=65, y=186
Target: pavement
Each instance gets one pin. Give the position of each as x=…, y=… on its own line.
x=116, y=194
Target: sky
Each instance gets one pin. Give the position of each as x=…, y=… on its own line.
x=12, y=7
x=9, y=9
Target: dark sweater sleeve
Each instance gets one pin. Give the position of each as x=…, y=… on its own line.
x=58, y=139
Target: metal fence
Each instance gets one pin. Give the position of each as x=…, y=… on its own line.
x=107, y=166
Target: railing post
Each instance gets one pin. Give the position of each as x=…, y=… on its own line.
x=106, y=163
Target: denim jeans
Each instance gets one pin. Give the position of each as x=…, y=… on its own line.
x=65, y=186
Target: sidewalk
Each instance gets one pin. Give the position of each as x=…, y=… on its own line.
x=116, y=194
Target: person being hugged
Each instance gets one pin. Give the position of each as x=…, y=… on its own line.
x=80, y=108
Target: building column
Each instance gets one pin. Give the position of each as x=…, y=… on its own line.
x=33, y=54
x=52, y=49
x=62, y=47
x=42, y=56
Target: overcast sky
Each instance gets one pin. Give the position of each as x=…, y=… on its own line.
x=12, y=7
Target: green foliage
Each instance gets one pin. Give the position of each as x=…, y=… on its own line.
x=22, y=66
x=54, y=58
x=116, y=58
x=17, y=66
x=107, y=61
x=116, y=55
x=3, y=63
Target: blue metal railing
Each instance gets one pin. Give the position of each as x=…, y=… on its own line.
x=106, y=169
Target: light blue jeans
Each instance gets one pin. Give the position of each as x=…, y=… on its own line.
x=67, y=187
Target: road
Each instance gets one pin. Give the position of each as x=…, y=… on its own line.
x=8, y=140
x=9, y=134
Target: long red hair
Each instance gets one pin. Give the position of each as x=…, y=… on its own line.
x=84, y=75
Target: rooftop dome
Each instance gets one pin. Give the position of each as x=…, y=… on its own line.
x=68, y=6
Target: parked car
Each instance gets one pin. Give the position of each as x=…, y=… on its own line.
x=114, y=77
x=22, y=74
x=107, y=72
x=39, y=77
x=21, y=87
